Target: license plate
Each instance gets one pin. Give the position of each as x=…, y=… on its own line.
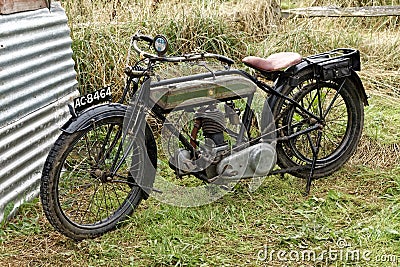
x=93, y=98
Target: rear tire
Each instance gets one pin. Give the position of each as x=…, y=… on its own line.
x=341, y=131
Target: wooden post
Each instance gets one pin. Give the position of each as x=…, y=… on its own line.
x=14, y=6
x=330, y=11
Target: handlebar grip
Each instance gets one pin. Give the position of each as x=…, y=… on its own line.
x=221, y=58
x=226, y=60
x=141, y=37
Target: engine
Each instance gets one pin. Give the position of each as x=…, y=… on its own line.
x=254, y=161
x=212, y=122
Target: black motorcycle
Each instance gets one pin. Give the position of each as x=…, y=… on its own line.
x=302, y=116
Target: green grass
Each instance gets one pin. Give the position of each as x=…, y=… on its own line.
x=383, y=116
x=358, y=206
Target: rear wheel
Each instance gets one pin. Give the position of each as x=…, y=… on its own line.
x=80, y=195
x=339, y=108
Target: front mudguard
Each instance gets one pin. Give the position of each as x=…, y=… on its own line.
x=94, y=114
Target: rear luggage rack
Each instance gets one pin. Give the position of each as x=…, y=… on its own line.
x=335, y=64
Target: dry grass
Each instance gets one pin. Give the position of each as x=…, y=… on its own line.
x=376, y=155
x=101, y=32
x=343, y=3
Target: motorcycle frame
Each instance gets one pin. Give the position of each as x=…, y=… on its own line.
x=159, y=113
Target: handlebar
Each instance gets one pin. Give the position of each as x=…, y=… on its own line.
x=188, y=57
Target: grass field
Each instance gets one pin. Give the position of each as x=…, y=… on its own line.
x=351, y=218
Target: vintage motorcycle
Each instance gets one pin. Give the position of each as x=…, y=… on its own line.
x=302, y=116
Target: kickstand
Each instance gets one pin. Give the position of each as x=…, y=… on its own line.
x=315, y=151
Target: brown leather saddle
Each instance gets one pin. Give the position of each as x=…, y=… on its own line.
x=273, y=63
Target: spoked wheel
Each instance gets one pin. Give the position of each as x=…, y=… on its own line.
x=339, y=112
x=81, y=196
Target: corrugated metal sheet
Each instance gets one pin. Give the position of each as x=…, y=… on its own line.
x=37, y=80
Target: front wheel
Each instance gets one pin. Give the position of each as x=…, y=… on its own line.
x=338, y=106
x=81, y=196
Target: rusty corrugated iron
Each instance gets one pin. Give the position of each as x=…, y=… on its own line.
x=14, y=6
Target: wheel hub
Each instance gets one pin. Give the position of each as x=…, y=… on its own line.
x=313, y=121
x=103, y=176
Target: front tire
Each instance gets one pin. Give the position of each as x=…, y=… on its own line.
x=80, y=196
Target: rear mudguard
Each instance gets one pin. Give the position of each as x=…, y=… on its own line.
x=99, y=112
x=289, y=78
